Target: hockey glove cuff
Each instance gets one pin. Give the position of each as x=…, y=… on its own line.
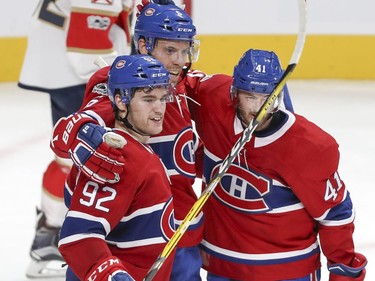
x=354, y=272
x=110, y=269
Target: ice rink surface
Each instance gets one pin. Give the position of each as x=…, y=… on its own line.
x=343, y=108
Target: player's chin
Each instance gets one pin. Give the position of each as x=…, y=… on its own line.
x=173, y=78
x=156, y=131
x=156, y=128
x=248, y=118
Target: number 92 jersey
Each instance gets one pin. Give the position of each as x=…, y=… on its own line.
x=132, y=219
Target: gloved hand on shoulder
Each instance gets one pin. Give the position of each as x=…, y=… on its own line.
x=95, y=152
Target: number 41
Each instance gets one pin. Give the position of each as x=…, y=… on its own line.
x=331, y=192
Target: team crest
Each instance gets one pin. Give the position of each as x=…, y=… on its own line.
x=150, y=12
x=167, y=221
x=183, y=152
x=120, y=64
x=242, y=189
x=177, y=151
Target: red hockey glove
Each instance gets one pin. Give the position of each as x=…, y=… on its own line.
x=94, y=152
x=110, y=269
x=354, y=272
x=65, y=131
x=146, y=2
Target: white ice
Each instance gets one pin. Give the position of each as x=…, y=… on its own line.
x=343, y=108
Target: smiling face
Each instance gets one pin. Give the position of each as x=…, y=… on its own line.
x=145, y=112
x=172, y=54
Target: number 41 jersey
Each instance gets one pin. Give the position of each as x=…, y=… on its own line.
x=265, y=214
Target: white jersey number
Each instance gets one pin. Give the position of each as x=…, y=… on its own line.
x=331, y=190
x=90, y=192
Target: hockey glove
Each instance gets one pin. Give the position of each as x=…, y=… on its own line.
x=111, y=269
x=94, y=152
x=146, y=2
x=355, y=272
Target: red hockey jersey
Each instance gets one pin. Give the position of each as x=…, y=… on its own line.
x=132, y=219
x=282, y=190
x=175, y=145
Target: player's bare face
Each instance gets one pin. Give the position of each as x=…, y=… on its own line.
x=146, y=112
x=249, y=105
x=173, y=54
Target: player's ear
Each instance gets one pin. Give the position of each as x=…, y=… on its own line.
x=120, y=105
x=142, y=46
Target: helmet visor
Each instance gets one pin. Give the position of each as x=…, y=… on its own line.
x=169, y=97
x=127, y=94
x=194, y=51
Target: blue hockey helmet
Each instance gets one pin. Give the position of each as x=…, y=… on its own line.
x=165, y=22
x=132, y=72
x=258, y=71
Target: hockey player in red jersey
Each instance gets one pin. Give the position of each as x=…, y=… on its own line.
x=282, y=191
x=115, y=231
x=65, y=36
x=167, y=33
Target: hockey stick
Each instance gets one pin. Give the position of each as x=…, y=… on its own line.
x=246, y=136
x=99, y=61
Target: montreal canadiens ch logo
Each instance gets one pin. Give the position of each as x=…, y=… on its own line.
x=183, y=152
x=167, y=220
x=242, y=189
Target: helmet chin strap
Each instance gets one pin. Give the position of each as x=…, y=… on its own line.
x=243, y=123
x=127, y=124
x=185, y=70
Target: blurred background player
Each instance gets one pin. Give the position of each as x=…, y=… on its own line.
x=280, y=193
x=167, y=33
x=65, y=37
x=115, y=231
